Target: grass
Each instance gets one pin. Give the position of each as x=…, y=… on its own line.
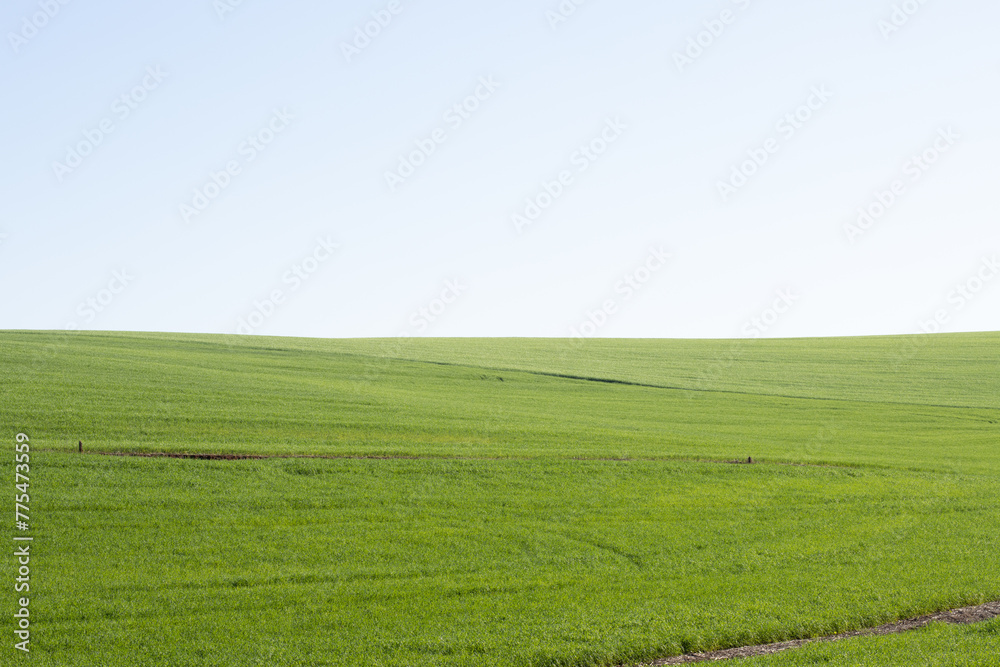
x=183, y=393
x=544, y=519
x=937, y=644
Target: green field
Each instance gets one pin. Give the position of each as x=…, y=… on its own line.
x=938, y=644
x=503, y=502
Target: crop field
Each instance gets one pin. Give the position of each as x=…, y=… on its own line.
x=972, y=646
x=514, y=502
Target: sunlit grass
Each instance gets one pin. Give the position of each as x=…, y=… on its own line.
x=546, y=520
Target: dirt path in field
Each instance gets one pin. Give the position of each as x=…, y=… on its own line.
x=209, y=456
x=233, y=457
x=964, y=615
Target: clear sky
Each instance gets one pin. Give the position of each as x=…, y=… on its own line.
x=697, y=168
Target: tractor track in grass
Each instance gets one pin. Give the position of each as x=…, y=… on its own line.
x=960, y=616
x=650, y=385
x=963, y=615
x=210, y=456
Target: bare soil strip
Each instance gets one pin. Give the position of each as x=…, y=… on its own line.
x=245, y=457
x=209, y=456
x=964, y=615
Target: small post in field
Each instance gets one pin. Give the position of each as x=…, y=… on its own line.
x=81, y=447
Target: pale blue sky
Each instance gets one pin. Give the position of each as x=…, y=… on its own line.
x=440, y=254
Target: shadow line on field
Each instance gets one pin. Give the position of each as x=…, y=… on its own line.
x=632, y=383
x=615, y=551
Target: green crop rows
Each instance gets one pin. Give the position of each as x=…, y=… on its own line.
x=502, y=502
